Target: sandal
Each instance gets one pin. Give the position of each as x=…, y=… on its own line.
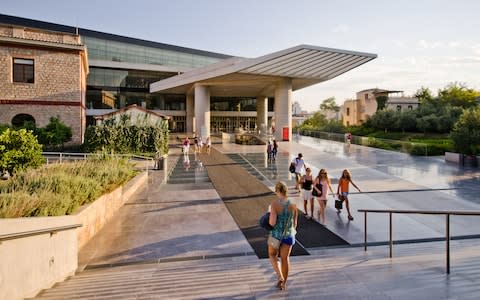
x=350, y=218
x=283, y=286
x=280, y=283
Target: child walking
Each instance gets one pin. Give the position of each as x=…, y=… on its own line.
x=342, y=190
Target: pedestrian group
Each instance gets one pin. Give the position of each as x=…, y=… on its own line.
x=283, y=217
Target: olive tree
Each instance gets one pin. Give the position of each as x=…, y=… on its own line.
x=466, y=132
x=19, y=150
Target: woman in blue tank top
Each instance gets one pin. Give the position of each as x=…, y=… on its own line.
x=283, y=218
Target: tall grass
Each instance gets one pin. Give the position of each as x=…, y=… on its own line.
x=59, y=189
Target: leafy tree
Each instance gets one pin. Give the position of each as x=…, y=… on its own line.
x=457, y=94
x=317, y=121
x=406, y=121
x=466, y=132
x=424, y=95
x=19, y=150
x=329, y=104
x=383, y=120
x=55, y=133
x=381, y=101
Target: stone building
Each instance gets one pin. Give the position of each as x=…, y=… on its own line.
x=42, y=75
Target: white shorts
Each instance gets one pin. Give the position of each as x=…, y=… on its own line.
x=307, y=195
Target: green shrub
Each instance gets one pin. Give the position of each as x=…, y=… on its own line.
x=19, y=150
x=60, y=189
x=466, y=132
x=124, y=137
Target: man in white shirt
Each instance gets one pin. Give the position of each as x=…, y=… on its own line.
x=299, y=165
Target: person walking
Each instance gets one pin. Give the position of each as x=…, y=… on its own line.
x=307, y=182
x=283, y=219
x=299, y=165
x=186, y=146
x=275, y=149
x=322, y=185
x=269, y=151
x=342, y=190
x=208, y=143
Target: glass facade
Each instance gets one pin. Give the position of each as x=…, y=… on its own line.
x=109, y=50
x=236, y=104
x=114, y=88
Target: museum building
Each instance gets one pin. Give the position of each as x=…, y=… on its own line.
x=52, y=70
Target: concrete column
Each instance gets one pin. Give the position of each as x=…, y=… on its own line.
x=202, y=111
x=283, y=108
x=190, y=118
x=262, y=114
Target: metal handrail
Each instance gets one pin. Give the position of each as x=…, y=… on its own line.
x=24, y=234
x=424, y=212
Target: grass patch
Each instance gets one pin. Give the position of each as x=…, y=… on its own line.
x=59, y=189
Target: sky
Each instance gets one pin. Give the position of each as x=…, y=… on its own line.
x=421, y=43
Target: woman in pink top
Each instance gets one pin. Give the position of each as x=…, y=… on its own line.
x=322, y=181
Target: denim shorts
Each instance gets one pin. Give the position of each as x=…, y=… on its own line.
x=288, y=240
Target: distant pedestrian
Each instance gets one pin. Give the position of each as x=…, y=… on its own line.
x=200, y=144
x=186, y=146
x=307, y=182
x=342, y=190
x=322, y=181
x=275, y=149
x=195, y=144
x=269, y=151
x=208, y=144
x=299, y=165
x=283, y=218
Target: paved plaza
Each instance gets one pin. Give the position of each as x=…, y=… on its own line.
x=178, y=240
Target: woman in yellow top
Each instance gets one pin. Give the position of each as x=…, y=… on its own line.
x=342, y=190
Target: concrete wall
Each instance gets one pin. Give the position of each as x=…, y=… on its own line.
x=30, y=264
x=95, y=215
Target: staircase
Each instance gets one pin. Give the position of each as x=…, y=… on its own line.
x=416, y=272
x=188, y=170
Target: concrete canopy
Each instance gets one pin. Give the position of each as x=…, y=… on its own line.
x=306, y=65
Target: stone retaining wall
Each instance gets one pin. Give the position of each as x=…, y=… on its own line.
x=33, y=263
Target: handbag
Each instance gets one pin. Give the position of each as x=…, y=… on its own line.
x=264, y=221
x=338, y=204
x=273, y=242
x=314, y=191
x=291, y=169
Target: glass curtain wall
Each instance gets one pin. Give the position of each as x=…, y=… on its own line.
x=108, y=50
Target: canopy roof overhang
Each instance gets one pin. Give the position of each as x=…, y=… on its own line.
x=250, y=77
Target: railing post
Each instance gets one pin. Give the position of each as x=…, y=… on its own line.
x=390, y=239
x=365, y=231
x=447, y=238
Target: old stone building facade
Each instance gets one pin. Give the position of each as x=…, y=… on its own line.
x=42, y=75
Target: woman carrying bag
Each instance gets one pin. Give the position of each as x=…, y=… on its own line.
x=283, y=218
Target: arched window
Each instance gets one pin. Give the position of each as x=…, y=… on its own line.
x=23, y=120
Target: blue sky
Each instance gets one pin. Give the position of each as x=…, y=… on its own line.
x=419, y=43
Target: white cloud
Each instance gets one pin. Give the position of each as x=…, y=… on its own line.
x=341, y=28
x=400, y=44
x=429, y=45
